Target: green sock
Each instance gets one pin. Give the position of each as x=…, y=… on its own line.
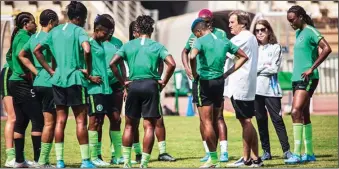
x=162, y=147
x=99, y=148
x=214, y=157
x=127, y=155
x=308, y=139
x=10, y=152
x=93, y=143
x=44, y=153
x=59, y=151
x=116, y=139
x=298, y=133
x=145, y=159
x=84, y=149
x=137, y=148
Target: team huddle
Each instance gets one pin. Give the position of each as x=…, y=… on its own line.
x=60, y=66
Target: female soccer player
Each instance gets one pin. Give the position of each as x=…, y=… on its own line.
x=42, y=86
x=144, y=86
x=69, y=79
x=268, y=93
x=305, y=79
x=27, y=107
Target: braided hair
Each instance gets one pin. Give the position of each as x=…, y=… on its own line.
x=20, y=21
x=48, y=16
x=132, y=28
x=300, y=11
x=144, y=24
x=76, y=9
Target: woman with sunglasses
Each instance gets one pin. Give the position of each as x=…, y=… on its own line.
x=305, y=79
x=268, y=94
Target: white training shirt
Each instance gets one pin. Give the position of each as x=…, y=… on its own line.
x=242, y=83
x=268, y=66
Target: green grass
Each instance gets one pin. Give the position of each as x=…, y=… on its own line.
x=184, y=143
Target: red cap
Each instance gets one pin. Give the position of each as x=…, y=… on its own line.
x=205, y=13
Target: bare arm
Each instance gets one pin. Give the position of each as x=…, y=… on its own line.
x=193, y=61
x=169, y=61
x=161, y=67
x=88, y=56
x=238, y=63
x=184, y=59
x=113, y=64
x=26, y=62
x=325, y=51
x=40, y=57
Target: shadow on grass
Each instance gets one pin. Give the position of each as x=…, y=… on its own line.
x=178, y=159
x=324, y=155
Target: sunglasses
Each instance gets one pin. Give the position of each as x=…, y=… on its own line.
x=260, y=30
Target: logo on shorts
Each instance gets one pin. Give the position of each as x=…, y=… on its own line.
x=100, y=107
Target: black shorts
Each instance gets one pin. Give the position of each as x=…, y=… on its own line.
x=4, y=80
x=116, y=98
x=45, y=96
x=99, y=104
x=70, y=96
x=143, y=99
x=243, y=109
x=309, y=86
x=22, y=91
x=207, y=92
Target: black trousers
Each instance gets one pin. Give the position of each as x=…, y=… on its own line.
x=273, y=105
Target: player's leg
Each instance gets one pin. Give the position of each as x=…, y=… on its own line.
x=222, y=133
x=76, y=98
x=60, y=100
x=9, y=130
x=45, y=96
x=115, y=123
x=148, y=142
x=307, y=125
x=7, y=100
x=262, y=122
x=136, y=145
x=300, y=99
x=160, y=133
x=273, y=105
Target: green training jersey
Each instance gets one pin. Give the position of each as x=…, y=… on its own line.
x=65, y=41
x=142, y=56
x=305, y=52
x=216, y=31
x=99, y=69
x=110, y=50
x=6, y=65
x=116, y=42
x=43, y=77
x=212, y=55
x=20, y=39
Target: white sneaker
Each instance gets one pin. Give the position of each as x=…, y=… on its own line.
x=10, y=164
x=99, y=163
x=238, y=163
x=33, y=164
x=22, y=165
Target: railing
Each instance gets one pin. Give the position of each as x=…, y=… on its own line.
x=328, y=72
x=127, y=11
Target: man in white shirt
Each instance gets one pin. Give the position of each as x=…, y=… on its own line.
x=241, y=86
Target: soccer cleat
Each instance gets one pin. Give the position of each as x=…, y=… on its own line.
x=240, y=163
x=138, y=158
x=295, y=159
x=266, y=156
x=33, y=164
x=287, y=154
x=210, y=165
x=10, y=164
x=47, y=165
x=127, y=165
x=115, y=160
x=166, y=157
x=87, y=164
x=204, y=159
x=99, y=163
x=308, y=158
x=224, y=157
x=22, y=165
x=60, y=164
x=257, y=163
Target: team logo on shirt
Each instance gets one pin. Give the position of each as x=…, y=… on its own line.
x=301, y=38
x=100, y=107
